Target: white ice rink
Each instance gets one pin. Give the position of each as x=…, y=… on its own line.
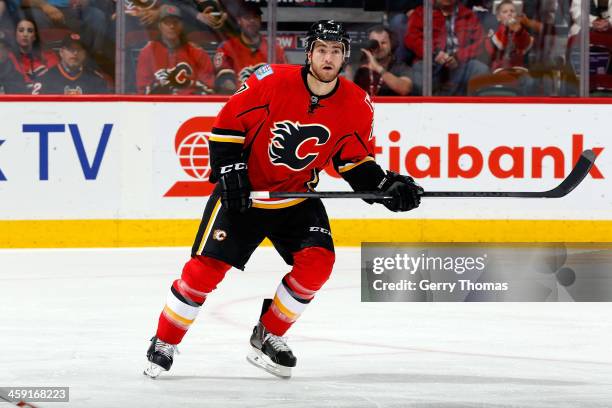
x=83, y=319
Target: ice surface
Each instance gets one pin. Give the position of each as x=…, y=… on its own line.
x=83, y=319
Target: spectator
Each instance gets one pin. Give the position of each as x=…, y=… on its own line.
x=214, y=15
x=457, y=41
x=485, y=13
x=6, y=22
x=381, y=74
x=172, y=65
x=30, y=60
x=208, y=15
x=600, y=16
x=76, y=15
x=238, y=57
x=72, y=76
x=11, y=81
x=399, y=13
x=539, y=17
x=511, y=42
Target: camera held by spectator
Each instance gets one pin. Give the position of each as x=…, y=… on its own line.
x=379, y=73
x=372, y=46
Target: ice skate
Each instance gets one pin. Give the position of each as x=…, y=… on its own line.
x=160, y=355
x=271, y=353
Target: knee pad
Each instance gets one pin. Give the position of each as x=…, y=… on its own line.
x=201, y=275
x=311, y=269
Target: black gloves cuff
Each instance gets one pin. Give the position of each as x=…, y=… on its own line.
x=405, y=191
x=235, y=187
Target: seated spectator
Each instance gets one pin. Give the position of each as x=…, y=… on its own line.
x=80, y=16
x=485, y=13
x=171, y=65
x=511, y=42
x=399, y=12
x=11, y=81
x=219, y=15
x=6, y=22
x=72, y=76
x=457, y=41
x=600, y=16
x=539, y=17
x=30, y=60
x=238, y=57
x=381, y=74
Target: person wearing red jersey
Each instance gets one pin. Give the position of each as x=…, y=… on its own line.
x=238, y=57
x=172, y=65
x=11, y=81
x=276, y=133
x=30, y=60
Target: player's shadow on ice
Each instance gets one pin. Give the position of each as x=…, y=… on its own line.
x=215, y=378
x=388, y=378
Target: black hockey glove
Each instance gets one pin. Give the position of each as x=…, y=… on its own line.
x=235, y=187
x=405, y=192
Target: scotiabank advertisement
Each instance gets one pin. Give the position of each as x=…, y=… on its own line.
x=143, y=160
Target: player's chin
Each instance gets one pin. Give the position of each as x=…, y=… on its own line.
x=329, y=73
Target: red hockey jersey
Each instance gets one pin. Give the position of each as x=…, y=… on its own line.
x=186, y=69
x=287, y=136
x=235, y=57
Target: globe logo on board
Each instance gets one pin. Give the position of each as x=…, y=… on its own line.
x=193, y=155
x=191, y=147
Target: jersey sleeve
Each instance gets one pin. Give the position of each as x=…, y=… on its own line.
x=355, y=160
x=144, y=69
x=224, y=65
x=205, y=71
x=229, y=131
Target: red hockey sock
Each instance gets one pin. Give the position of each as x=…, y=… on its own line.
x=200, y=276
x=311, y=269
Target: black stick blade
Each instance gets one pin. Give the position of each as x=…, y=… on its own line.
x=579, y=172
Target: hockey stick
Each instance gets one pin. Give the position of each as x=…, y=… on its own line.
x=578, y=173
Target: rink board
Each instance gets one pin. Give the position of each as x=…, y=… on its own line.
x=129, y=172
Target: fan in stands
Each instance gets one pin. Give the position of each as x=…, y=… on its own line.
x=238, y=57
x=171, y=65
x=72, y=76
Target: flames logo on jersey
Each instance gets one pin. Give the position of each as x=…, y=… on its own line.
x=181, y=74
x=288, y=137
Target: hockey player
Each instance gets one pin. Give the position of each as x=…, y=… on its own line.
x=276, y=133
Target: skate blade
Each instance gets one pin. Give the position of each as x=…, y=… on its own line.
x=260, y=360
x=153, y=370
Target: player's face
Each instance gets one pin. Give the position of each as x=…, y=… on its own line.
x=73, y=56
x=25, y=34
x=326, y=59
x=171, y=28
x=385, y=44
